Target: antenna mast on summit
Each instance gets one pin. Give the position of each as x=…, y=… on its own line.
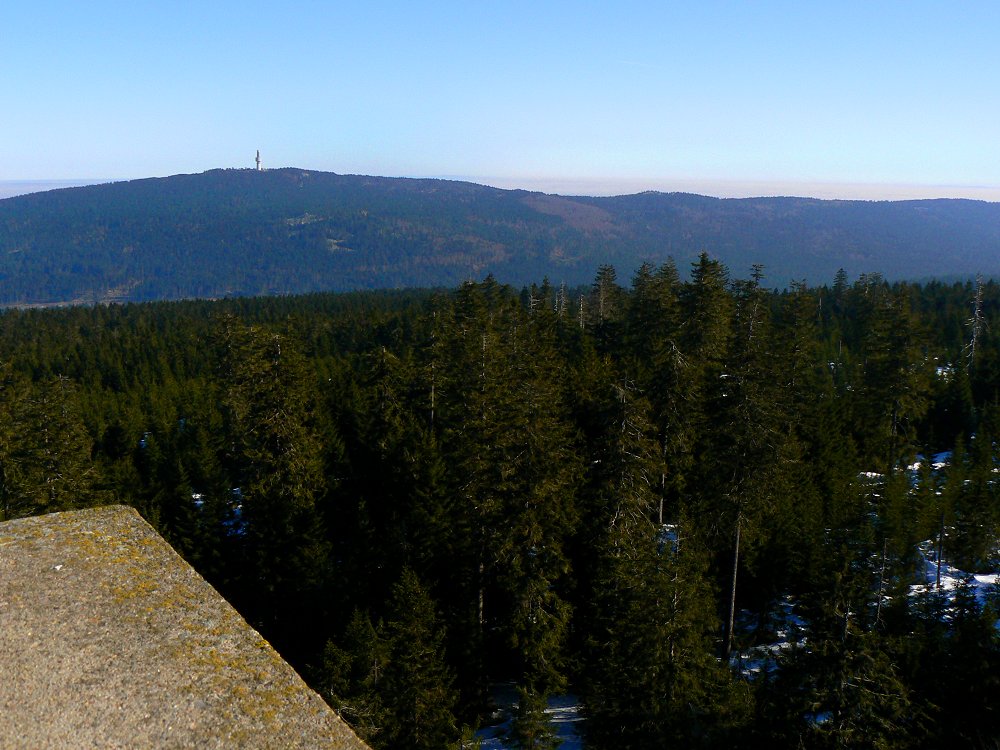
x=259, y=167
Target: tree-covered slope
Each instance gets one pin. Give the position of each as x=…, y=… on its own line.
x=240, y=232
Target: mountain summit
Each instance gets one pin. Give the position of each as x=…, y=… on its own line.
x=244, y=232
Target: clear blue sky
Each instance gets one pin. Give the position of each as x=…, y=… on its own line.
x=597, y=97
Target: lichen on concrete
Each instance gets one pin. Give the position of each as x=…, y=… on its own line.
x=108, y=639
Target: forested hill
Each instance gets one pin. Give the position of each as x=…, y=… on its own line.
x=243, y=232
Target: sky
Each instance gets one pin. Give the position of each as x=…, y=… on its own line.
x=831, y=99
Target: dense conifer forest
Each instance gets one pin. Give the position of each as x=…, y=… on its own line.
x=239, y=232
x=627, y=490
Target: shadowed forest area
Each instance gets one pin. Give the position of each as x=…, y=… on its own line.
x=626, y=490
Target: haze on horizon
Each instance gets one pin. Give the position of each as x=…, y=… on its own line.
x=595, y=187
x=828, y=100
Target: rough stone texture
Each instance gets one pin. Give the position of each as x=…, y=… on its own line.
x=108, y=639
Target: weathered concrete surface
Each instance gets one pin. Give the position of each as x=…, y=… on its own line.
x=108, y=639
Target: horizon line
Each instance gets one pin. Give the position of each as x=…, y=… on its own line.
x=617, y=186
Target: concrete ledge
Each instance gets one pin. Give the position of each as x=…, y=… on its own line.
x=108, y=639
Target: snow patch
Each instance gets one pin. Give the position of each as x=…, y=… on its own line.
x=789, y=630
x=563, y=712
x=951, y=577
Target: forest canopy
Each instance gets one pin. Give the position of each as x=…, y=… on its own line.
x=625, y=490
x=238, y=232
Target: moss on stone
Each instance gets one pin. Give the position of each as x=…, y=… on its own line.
x=110, y=639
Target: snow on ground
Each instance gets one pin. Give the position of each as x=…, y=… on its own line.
x=789, y=630
x=951, y=577
x=563, y=712
x=938, y=461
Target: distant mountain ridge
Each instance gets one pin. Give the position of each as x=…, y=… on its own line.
x=242, y=232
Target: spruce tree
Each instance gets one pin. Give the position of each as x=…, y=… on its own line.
x=741, y=443
x=417, y=687
x=843, y=691
x=529, y=727
x=46, y=449
x=652, y=678
x=513, y=465
x=276, y=465
x=351, y=676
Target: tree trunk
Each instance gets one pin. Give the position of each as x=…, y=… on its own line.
x=728, y=647
x=881, y=582
x=940, y=550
